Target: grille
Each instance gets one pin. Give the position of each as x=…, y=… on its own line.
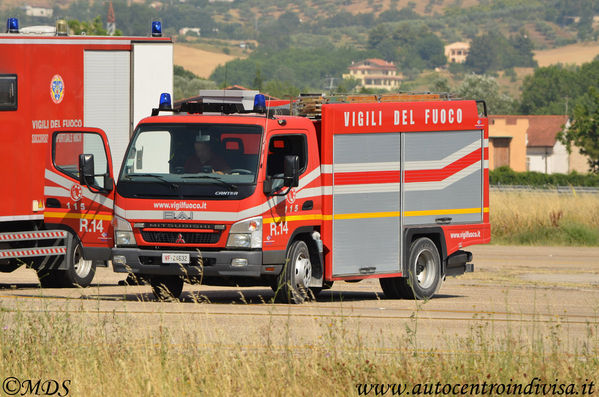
x=173, y=237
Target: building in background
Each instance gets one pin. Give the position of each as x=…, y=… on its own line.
x=38, y=11
x=529, y=143
x=457, y=52
x=374, y=73
x=507, y=142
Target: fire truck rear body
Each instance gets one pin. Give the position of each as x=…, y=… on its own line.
x=56, y=92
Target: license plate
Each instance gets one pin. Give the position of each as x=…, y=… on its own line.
x=175, y=258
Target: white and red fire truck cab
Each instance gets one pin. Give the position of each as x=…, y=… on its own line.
x=392, y=189
x=56, y=93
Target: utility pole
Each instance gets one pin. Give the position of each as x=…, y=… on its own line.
x=110, y=20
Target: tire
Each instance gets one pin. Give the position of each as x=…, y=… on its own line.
x=79, y=273
x=167, y=288
x=389, y=287
x=424, y=273
x=294, y=280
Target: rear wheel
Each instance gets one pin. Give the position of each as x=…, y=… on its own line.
x=167, y=288
x=294, y=280
x=424, y=273
x=79, y=272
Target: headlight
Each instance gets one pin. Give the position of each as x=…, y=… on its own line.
x=246, y=234
x=123, y=233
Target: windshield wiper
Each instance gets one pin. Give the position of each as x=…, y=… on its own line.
x=214, y=178
x=162, y=180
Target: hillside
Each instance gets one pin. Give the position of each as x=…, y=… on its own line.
x=198, y=61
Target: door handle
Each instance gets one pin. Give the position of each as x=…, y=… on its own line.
x=52, y=203
x=308, y=205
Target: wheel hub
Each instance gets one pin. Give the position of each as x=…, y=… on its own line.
x=81, y=266
x=303, y=271
x=425, y=268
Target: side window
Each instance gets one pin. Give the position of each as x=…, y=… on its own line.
x=8, y=92
x=69, y=145
x=285, y=145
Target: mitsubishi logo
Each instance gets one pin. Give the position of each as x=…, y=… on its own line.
x=180, y=239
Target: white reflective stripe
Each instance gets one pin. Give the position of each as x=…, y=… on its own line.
x=438, y=164
x=365, y=167
x=485, y=163
x=486, y=142
x=419, y=186
x=326, y=168
x=21, y=218
x=309, y=192
x=59, y=180
x=67, y=184
x=366, y=188
x=26, y=252
x=37, y=235
x=56, y=191
x=327, y=190
x=309, y=177
x=220, y=216
x=98, y=198
x=119, y=211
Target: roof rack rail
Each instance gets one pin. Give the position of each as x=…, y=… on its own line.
x=310, y=105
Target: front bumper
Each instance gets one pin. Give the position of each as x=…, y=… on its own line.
x=206, y=264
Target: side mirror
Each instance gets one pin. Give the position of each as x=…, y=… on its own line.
x=86, y=169
x=291, y=171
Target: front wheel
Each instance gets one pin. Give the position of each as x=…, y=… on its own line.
x=167, y=288
x=294, y=281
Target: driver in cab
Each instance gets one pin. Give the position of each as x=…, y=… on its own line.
x=204, y=159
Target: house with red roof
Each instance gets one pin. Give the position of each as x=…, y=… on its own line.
x=375, y=73
x=529, y=143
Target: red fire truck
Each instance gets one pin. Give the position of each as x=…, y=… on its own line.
x=349, y=188
x=53, y=89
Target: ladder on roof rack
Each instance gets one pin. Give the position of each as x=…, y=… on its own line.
x=311, y=105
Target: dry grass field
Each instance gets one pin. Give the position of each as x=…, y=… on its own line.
x=104, y=355
x=571, y=54
x=544, y=218
x=199, y=61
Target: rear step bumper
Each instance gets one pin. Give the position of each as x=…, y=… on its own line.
x=457, y=264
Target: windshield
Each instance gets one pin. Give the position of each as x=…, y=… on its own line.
x=192, y=160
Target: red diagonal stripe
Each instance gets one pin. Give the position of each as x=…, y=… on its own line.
x=352, y=178
x=447, y=171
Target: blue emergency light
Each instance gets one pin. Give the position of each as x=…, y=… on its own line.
x=12, y=25
x=165, y=101
x=259, y=104
x=157, y=28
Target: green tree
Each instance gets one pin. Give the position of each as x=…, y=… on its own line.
x=486, y=88
x=440, y=84
x=548, y=90
x=92, y=28
x=584, y=131
x=186, y=84
x=377, y=35
x=431, y=50
x=347, y=85
x=483, y=55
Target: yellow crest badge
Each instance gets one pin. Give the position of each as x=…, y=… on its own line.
x=57, y=88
